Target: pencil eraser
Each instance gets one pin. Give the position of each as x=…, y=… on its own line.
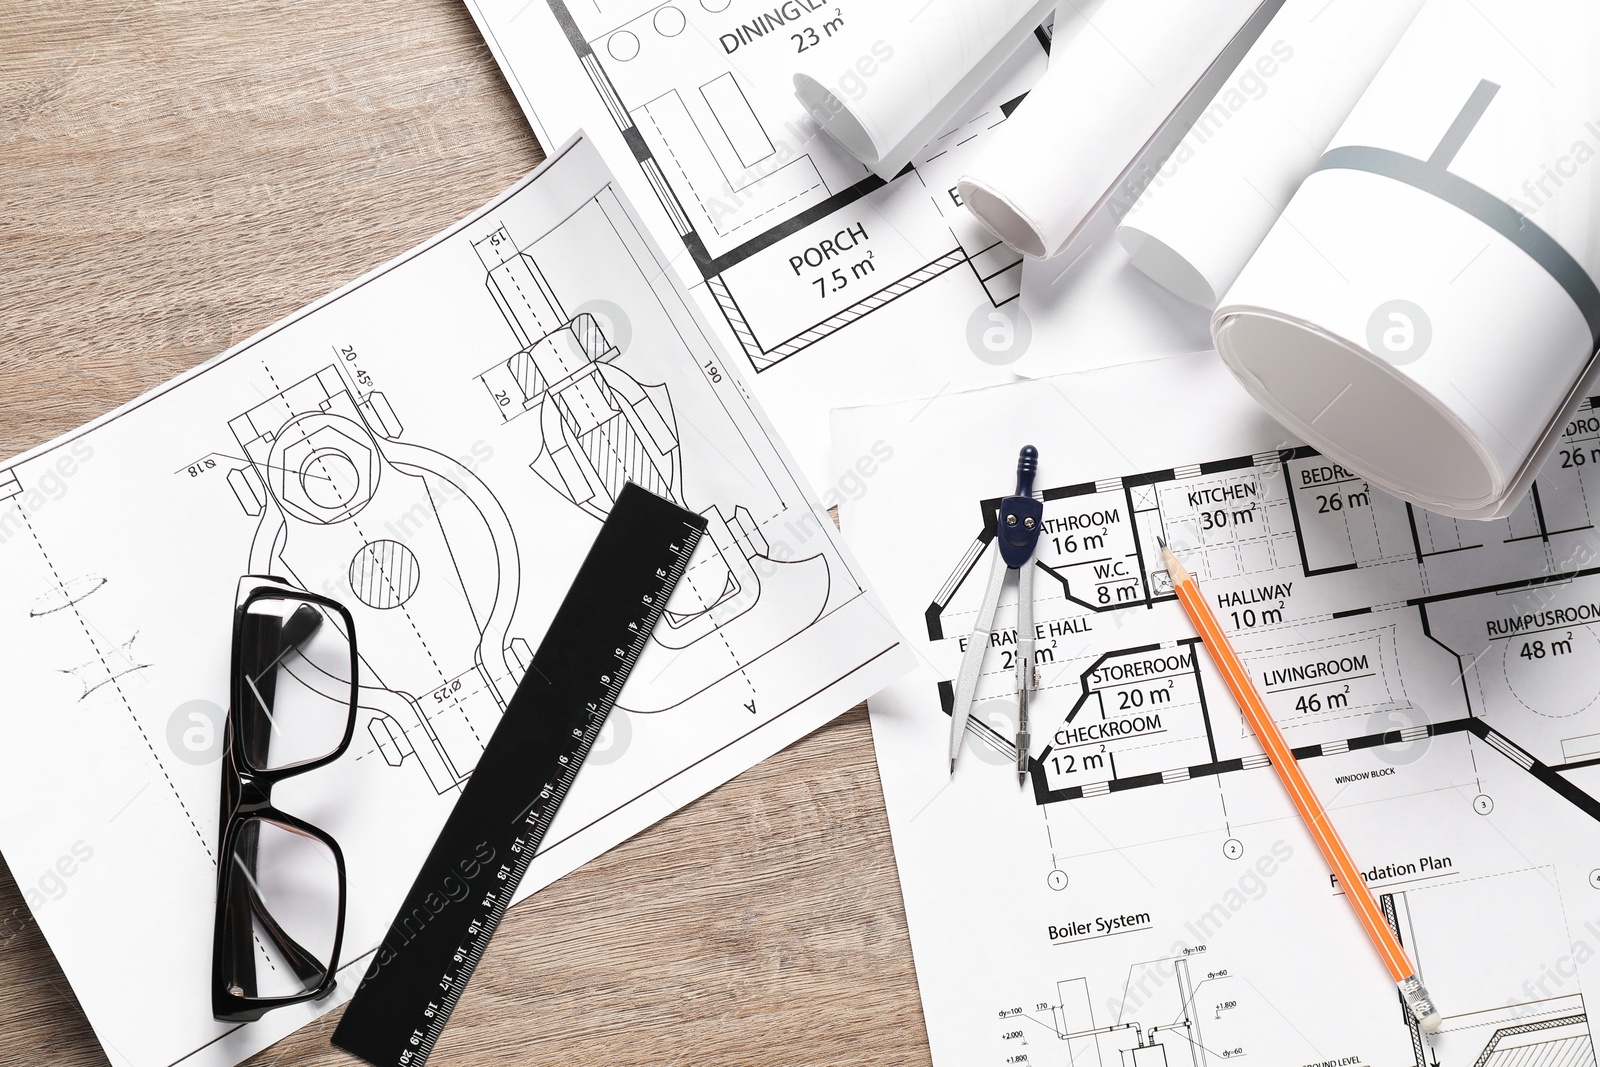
x=1419, y=1003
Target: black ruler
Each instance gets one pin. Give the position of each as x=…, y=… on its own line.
x=495, y=829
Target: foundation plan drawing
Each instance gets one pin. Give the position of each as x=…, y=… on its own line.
x=1148, y=897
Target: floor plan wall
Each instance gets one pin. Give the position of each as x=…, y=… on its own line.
x=434, y=447
x=823, y=276
x=1149, y=898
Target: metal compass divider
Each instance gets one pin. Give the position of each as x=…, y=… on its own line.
x=1017, y=529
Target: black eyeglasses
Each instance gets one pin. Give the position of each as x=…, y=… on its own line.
x=280, y=880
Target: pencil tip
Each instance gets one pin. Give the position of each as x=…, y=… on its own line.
x=1162, y=541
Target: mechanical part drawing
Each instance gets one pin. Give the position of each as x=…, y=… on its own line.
x=350, y=451
x=599, y=428
x=325, y=461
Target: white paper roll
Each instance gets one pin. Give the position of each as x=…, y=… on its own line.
x=1115, y=78
x=1090, y=308
x=1426, y=309
x=901, y=70
x=1209, y=208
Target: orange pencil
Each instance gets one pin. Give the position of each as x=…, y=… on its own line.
x=1293, y=778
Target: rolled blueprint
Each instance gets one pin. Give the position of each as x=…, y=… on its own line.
x=1116, y=76
x=1210, y=206
x=1426, y=310
x=901, y=69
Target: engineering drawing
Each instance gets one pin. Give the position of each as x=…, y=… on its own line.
x=1266, y=529
x=344, y=503
x=599, y=428
x=794, y=239
x=1437, y=680
x=1174, y=1042
x=351, y=452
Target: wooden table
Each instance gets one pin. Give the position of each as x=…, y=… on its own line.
x=180, y=175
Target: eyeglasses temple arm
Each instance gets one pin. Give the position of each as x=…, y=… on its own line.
x=306, y=966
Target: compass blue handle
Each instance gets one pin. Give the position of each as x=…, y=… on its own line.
x=1021, y=517
x=1027, y=467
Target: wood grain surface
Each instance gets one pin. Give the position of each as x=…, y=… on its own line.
x=177, y=176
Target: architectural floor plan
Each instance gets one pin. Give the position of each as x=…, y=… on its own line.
x=434, y=447
x=1148, y=897
x=819, y=273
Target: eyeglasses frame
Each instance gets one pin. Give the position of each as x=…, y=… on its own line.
x=246, y=796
